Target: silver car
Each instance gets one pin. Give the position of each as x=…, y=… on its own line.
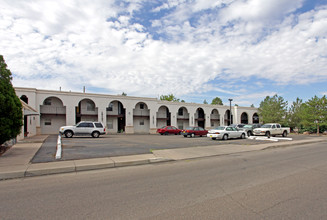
x=225, y=132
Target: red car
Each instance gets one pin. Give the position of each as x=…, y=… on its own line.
x=192, y=131
x=169, y=130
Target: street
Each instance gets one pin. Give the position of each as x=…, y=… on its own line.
x=280, y=183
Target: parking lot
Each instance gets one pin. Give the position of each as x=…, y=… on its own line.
x=121, y=145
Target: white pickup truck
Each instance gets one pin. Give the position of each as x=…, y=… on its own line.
x=271, y=130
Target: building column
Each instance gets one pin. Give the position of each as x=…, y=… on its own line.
x=102, y=114
x=129, y=127
x=153, y=121
x=207, y=122
x=70, y=115
x=192, y=118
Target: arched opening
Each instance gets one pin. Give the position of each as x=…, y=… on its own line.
x=215, y=118
x=116, y=117
x=200, y=117
x=244, y=118
x=24, y=98
x=141, y=118
x=163, y=117
x=255, y=118
x=227, y=118
x=53, y=115
x=182, y=118
x=86, y=111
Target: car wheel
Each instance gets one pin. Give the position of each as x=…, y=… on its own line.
x=179, y=133
x=268, y=134
x=213, y=138
x=225, y=137
x=68, y=134
x=95, y=134
x=249, y=133
x=185, y=136
x=242, y=136
x=285, y=134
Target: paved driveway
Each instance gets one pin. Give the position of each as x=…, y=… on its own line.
x=121, y=145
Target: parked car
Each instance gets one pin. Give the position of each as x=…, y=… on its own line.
x=248, y=129
x=168, y=130
x=95, y=129
x=225, y=132
x=192, y=131
x=238, y=126
x=271, y=130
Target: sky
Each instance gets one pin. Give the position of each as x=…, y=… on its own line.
x=197, y=50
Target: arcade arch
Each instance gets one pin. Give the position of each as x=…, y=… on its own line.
x=182, y=118
x=141, y=118
x=52, y=115
x=116, y=117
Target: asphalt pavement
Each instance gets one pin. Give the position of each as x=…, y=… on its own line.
x=36, y=155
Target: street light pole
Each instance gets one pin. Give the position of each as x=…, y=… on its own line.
x=230, y=110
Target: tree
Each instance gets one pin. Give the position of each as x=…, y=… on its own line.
x=217, y=101
x=205, y=102
x=295, y=114
x=11, y=115
x=124, y=94
x=169, y=97
x=252, y=106
x=315, y=112
x=273, y=110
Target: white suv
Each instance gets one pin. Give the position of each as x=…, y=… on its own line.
x=83, y=128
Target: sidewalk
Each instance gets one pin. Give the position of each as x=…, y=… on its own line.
x=16, y=162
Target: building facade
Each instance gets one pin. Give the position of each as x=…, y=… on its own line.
x=124, y=113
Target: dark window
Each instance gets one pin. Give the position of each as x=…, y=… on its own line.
x=98, y=125
x=110, y=107
x=180, y=111
x=273, y=126
x=142, y=106
x=47, y=102
x=278, y=126
x=82, y=125
x=90, y=125
x=90, y=106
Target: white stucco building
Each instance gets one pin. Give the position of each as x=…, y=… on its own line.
x=123, y=113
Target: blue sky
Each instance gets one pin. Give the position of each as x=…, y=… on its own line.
x=201, y=49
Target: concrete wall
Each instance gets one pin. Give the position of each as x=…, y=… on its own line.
x=154, y=109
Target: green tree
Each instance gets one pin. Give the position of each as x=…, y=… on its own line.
x=169, y=97
x=124, y=94
x=295, y=114
x=252, y=106
x=205, y=102
x=11, y=116
x=315, y=112
x=217, y=101
x=273, y=110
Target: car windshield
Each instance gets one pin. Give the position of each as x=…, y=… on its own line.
x=220, y=128
x=266, y=126
x=163, y=126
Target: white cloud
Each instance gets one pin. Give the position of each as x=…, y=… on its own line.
x=51, y=44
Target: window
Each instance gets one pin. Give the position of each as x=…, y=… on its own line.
x=180, y=111
x=142, y=122
x=82, y=125
x=47, y=102
x=90, y=106
x=98, y=125
x=110, y=107
x=47, y=122
x=278, y=126
x=142, y=106
x=201, y=129
x=273, y=126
